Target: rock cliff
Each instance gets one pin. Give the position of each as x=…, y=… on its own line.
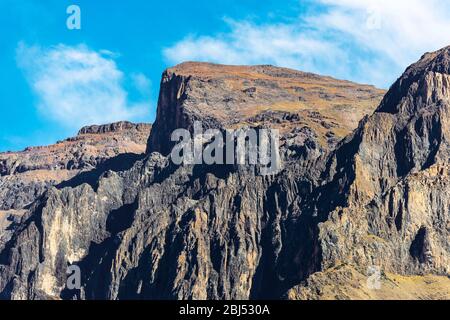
x=362, y=187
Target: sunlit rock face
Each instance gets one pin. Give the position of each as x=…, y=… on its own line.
x=234, y=96
x=361, y=187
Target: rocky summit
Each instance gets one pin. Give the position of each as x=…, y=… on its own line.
x=359, y=211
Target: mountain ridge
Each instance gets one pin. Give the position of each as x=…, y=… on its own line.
x=26, y=174
x=232, y=96
x=378, y=197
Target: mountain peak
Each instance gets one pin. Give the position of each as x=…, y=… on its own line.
x=207, y=71
x=225, y=96
x=438, y=61
x=143, y=227
x=428, y=80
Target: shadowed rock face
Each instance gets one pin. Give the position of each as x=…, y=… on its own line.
x=155, y=230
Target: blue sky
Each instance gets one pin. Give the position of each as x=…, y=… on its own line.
x=54, y=80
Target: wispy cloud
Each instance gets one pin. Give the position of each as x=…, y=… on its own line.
x=76, y=86
x=397, y=31
x=363, y=40
x=247, y=43
x=142, y=84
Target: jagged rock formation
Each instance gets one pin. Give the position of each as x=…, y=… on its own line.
x=392, y=176
x=25, y=175
x=159, y=231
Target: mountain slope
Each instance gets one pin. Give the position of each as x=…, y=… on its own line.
x=161, y=231
x=232, y=96
x=392, y=176
x=25, y=175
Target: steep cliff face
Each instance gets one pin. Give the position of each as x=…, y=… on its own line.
x=160, y=231
x=234, y=96
x=392, y=177
x=398, y=175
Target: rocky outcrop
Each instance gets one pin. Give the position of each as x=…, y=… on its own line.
x=377, y=198
x=25, y=175
x=134, y=131
x=233, y=96
x=392, y=179
x=394, y=173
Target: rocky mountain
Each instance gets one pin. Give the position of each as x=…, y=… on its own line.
x=26, y=175
x=392, y=180
x=362, y=188
x=221, y=96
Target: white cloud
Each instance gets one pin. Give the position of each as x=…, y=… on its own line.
x=141, y=83
x=77, y=86
x=402, y=30
x=363, y=40
x=283, y=45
